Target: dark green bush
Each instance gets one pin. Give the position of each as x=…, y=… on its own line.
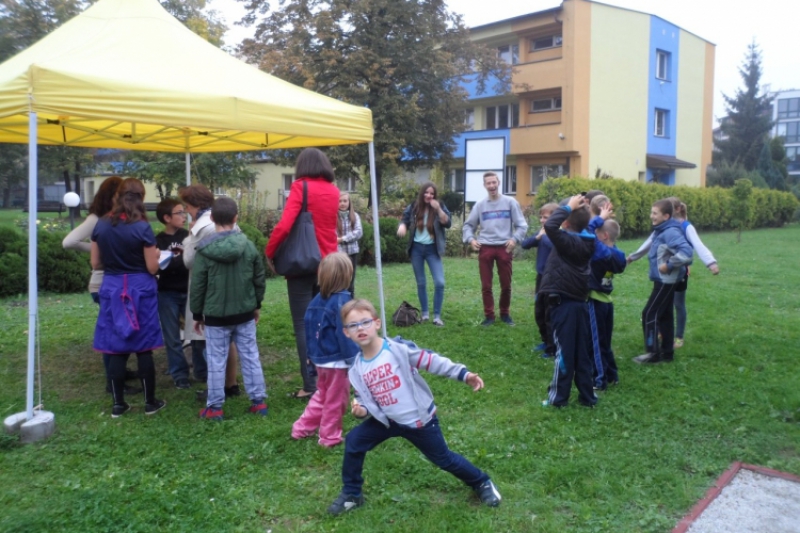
x=58, y=270
x=393, y=248
x=454, y=201
x=257, y=238
x=708, y=208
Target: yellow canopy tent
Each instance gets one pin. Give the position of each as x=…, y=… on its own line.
x=126, y=74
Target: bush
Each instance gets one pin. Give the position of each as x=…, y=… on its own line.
x=709, y=208
x=59, y=270
x=393, y=248
x=454, y=201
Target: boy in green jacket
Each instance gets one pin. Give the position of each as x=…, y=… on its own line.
x=228, y=281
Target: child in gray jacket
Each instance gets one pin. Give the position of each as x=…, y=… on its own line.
x=386, y=379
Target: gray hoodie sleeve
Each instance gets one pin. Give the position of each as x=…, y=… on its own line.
x=471, y=224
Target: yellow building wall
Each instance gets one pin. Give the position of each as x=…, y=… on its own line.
x=691, y=116
x=620, y=41
x=269, y=181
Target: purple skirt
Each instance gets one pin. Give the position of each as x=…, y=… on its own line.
x=128, y=317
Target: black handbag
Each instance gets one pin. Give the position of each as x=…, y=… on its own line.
x=299, y=254
x=406, y=315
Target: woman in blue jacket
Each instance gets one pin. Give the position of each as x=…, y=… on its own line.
x=428, y=219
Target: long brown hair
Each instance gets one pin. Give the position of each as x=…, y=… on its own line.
x=104, y=199
x=351, y=214
x=422, y=208
x=129, y=202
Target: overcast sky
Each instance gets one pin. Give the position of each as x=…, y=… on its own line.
x=730, y=25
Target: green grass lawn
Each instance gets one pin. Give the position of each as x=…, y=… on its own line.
x=638, y=462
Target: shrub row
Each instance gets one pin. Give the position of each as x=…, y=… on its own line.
x=708, y=209
x=59, y=270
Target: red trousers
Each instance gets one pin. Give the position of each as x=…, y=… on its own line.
x=487, y=256
x=326, y=408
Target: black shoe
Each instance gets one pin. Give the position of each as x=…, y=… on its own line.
x=153, y=408
x=344, y=503
x=487, y=322
x=647, y=358
x=182, y=383
x=507, y=319
x=232, y=391
x=488, y=494
x=119, y=409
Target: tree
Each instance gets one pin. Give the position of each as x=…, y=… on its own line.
x=194, y=15
x=779, y=159
x=741, y=208
x=768, y=170
x=403, y=59
x=749, y=117
x=168, y=170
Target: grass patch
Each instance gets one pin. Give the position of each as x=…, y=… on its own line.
x=637, y=463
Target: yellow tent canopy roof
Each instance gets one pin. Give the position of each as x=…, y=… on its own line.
x=126, y=74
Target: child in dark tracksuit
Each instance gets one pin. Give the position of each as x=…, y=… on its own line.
x=606, y=261
x=542, y=241
x=565, y=285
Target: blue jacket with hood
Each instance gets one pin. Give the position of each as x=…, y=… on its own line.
x=671, y=247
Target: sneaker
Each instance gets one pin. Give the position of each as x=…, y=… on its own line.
x=182, y=383
x=678, y=342
x=119, y=409
x=546, y=403
x=425, y=318
x=210, y=413
x=488, y=494
x=540, y=347
x=487, y=322
x=232, y=391
x=508, y=320
x=438, y=322
x=154, y=407
x=345, y=502
x=647, y=358
x=259, y=408
x=599, y=387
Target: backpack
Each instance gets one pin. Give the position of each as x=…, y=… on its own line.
x=406, y=315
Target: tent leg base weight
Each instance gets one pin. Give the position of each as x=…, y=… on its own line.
x=41, y=426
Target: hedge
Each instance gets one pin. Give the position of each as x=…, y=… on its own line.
x=393, y=248
x=59, y=270
x=708, y=208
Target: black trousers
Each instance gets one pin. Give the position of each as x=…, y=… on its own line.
x=302, y=290
x=657, y=318
x=573, y=340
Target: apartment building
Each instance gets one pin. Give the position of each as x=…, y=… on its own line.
x=596, y=89
x=786, y=114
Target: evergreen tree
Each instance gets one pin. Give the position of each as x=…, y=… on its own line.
x=403, y=59
x=749, y=117
x=767, y=169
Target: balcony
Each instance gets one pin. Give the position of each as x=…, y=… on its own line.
x=539, y=75
x=542, y=139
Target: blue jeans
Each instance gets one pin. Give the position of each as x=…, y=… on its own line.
x=427, y=439
x=420, y=253
x=680, y=313
x=218, y=342
x=171, y=305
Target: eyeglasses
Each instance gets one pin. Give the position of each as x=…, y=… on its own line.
x=355, y=326
x=179, y=214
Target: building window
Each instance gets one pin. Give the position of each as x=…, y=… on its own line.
x=509, y=53
x=458, y=180
x=551, y=41
x=546, y=104
x=662, y=123
x=502, y=117
x=662, y=65
x=793, y=158
x=790, y=132
x=541, y=173
x=469, y=119
x=510, y=180
x=789, y=108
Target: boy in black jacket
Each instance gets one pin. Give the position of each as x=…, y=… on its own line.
x=565, y=286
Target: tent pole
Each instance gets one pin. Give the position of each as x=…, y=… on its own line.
x=188, y=169
x=374, y=194
x=33, y=289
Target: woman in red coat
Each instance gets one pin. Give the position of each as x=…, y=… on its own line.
x=313, y=168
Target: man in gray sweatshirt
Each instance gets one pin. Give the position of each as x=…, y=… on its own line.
x=503, y=226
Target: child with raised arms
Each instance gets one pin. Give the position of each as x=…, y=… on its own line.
x=395, y=401
x=330, y=351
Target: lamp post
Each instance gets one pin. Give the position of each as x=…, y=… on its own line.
x=72, y=200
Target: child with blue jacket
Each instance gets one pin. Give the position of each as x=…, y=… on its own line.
x=606, y=261
x=542, y=242
x=330, y=351
x=669, y=255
